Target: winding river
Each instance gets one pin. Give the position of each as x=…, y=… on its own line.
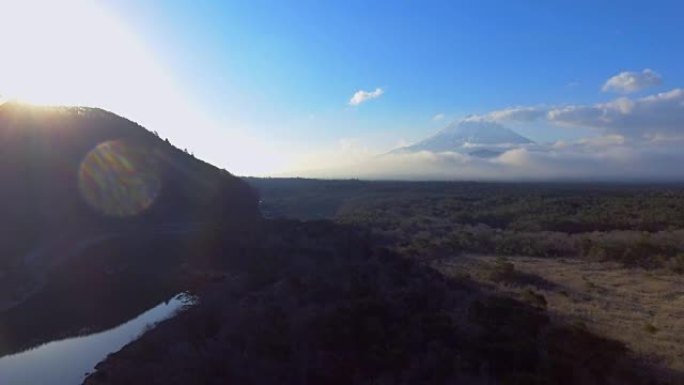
x=65, y=362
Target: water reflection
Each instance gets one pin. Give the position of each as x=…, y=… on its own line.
x=66, y=362
x=119, y=179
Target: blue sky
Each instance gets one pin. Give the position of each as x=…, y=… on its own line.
x=281, y=73
x=274, y=64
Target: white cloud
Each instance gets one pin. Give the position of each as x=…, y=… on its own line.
x=362, y=96
x=655, y=115
x=514, y=114
x=659, y=115
x=438, y=118
x=627, y=82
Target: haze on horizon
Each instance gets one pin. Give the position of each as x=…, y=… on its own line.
x=311, y=89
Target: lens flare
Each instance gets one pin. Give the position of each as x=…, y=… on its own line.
x=119, y=179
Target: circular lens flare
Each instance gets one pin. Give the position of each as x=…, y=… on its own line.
x=119, y=179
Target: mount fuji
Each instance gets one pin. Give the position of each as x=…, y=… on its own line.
x=472, y=137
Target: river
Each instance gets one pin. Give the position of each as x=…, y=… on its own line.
x=66, y=362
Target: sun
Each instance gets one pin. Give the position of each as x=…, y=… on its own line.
x=64, y=52
x=45, y=59
x=79, y=53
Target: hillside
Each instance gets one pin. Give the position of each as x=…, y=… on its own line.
x=98, y=210
x=57, y=181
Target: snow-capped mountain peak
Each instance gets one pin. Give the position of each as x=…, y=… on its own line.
x=470, y=136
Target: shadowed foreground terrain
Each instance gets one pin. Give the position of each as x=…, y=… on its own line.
x=607, y=258
x=319, y=303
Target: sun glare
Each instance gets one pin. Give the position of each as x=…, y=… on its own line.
x=76, y=52
x=119, y=179
x=68, y=52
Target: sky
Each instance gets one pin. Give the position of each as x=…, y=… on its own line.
x=281, y=87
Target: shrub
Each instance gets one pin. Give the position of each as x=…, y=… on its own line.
x=676, y=264
x=650, y=328
x=502, y=270
x=533, y=298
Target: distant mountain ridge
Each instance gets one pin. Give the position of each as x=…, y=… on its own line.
x=472, y=137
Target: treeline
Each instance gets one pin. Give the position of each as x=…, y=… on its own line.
x=631, y=230
x=632, y=248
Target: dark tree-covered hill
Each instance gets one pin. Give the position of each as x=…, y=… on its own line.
x=70, y=169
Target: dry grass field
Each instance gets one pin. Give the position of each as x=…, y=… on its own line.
x=641, y=308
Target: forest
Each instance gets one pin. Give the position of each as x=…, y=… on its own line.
x=638, y=225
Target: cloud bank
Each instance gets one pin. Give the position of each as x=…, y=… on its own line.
x=637, y=139
x=609, y=158
x=362, y=96
x=628, y=82
x=654, y=116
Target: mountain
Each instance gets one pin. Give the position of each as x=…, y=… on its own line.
x=473, y=137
